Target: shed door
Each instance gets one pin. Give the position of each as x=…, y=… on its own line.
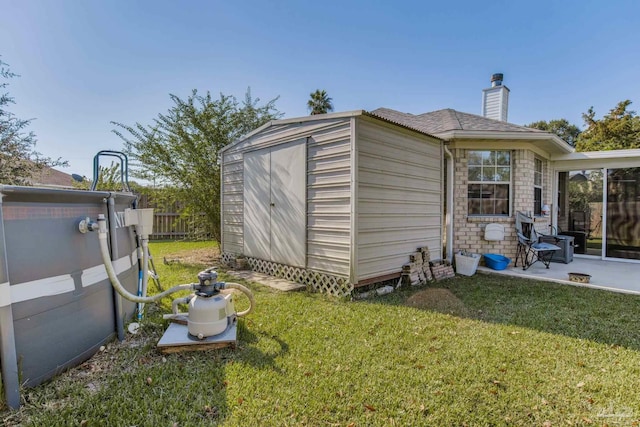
x=275, y=204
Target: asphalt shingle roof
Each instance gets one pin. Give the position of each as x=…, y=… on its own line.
x=439, y=121
x=50, y=176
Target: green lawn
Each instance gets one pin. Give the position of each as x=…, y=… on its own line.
x=484, y=350
x=595, y=243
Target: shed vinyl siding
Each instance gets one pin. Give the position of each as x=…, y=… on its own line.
x=329, y=201
x=232, y=203
x=399, y=198
x=327, y=185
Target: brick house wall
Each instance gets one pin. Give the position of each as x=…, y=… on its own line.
x=468, y=231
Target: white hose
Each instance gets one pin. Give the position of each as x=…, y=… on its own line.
x=113, y=276
x=174, y=308
x=245, y=291
x=178, y=301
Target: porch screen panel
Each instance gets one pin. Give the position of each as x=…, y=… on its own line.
x=585, y=210
x=623, y=213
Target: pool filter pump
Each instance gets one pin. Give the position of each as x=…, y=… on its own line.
x=210, y=312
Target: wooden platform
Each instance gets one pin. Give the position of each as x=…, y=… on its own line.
x=177, y=339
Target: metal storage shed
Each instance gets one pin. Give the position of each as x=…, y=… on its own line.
x=334, y=200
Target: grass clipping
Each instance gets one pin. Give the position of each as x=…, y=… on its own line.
x=437, y=299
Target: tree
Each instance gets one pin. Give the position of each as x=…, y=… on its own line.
x=585, y=190
x=180, y=149
x=560, y=127
x=18, y=159
x=319, y=103
x=618, y=130
x=109, y=179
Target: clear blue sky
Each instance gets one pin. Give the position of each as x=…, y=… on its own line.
x=86, y=63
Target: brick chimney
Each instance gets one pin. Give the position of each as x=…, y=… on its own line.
x=495, y=100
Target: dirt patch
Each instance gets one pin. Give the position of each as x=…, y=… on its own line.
x=437, y=299
x=204, y=256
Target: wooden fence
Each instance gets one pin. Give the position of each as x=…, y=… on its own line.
x=168, y=224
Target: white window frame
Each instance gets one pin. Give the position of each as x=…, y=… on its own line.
x=538, y=184
x=495, y=180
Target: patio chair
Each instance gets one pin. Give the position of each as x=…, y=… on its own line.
x=530, y=250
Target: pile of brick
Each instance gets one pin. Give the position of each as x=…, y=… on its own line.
x=417, y=271
x=442, y=270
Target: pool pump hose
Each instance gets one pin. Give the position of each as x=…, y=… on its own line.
x=113, y=277
x=245, y=291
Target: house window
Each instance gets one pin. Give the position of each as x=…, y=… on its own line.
x=489, y=182
x=537, y=187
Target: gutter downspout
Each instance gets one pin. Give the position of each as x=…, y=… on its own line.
x=449, y=193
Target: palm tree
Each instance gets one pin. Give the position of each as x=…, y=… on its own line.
x=319, y=103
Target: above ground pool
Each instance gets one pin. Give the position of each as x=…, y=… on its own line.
x=57, y=305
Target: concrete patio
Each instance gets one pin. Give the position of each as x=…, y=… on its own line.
x=614, y=276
